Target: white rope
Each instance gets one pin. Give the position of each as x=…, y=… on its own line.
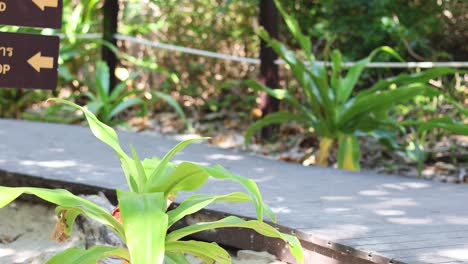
x=422, y=65
x=141, y=41
x=186, y=50
x=82, y=36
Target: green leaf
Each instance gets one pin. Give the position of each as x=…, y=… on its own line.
x=107, y=135
x=175, y=258
x=197, y=202
x=274, y=118
x=160, y=170
x=173, y=103
x=119, y=88
x=145, y=224
x=103, y=80
x=348, y=153
x=205, y=251
x=186, y=177
x=295, y=29
x=249, y=185
x=300, y=71
x=140, y=171
x=102, y=131
x=89, y=256
x=336, y=72
x=352, y=76
x=354, y=73
x=403, y=79
x=233, y=221
x=280, y=94
x=383, y=100
x=65, y=200
x=445, y=123
x=125, y=105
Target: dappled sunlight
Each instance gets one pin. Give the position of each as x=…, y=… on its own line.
x=49, y=164
x=410, y=221
x=407, y=185
x=340, y=231
x=416, y=185
x=281, y=210
x=223, y=157
x=336, y=210
x=391, y=203
x=393, y=186
x=456, y=253
x=178, y=161
x=4, y=252
x=390, y=212
x=373, y=193
x=337, y=198
x=264, y=179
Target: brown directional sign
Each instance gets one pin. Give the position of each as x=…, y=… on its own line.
x=28, y=61
x=31, y=13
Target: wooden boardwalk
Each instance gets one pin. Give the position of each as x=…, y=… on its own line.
x=373, y=218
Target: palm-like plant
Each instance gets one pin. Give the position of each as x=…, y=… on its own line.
x=329, y=107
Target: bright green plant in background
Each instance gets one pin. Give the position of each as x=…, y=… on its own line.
x=329, y=107
x=144, y=210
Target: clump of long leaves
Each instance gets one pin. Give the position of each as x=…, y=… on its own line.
x=330, y=107
x=108, y=104
x=145, y=217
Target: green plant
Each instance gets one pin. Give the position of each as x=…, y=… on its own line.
x=13, y=102
x=108, y=104
x=145, y=217
x=329, y=107
x=415, y=150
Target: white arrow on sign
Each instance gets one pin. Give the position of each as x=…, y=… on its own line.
x=42, y=4
x=38, y=62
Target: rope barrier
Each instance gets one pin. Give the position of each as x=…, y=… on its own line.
x=211, y=54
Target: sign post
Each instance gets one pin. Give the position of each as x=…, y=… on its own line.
x=29, y=60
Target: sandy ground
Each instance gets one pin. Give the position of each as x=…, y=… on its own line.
x=25, y=230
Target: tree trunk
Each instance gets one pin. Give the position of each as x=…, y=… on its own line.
x=268, y=68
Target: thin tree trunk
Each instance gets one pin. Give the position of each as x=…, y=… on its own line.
x=268, y=68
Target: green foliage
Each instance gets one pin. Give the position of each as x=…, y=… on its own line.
x=13, y=102
x=145, y=213
x=107, y=104
x=414, y=28
x=415, y=149
x=330, y=105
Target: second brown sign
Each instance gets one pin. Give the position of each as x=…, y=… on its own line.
x=28, y=61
